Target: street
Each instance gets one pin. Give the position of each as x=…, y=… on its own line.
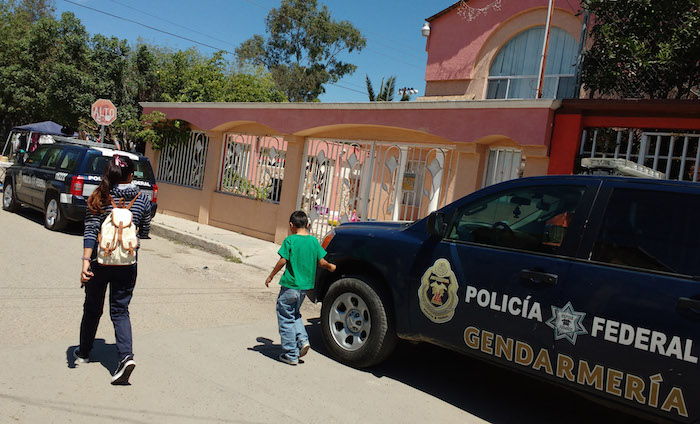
x=206, y=347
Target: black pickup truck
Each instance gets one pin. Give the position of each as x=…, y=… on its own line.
x=589, y=282
x=57, y=179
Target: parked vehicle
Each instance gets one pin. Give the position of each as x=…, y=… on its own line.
x=57, y=179
x=590, y=282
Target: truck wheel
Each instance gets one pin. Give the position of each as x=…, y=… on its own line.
x=53, y=215
x=9, y=203
x=356, y=325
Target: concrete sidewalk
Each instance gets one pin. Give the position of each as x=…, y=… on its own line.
x=234, y=246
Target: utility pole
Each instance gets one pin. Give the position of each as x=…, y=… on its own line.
x=545, y=46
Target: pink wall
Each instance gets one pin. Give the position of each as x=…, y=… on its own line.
x=454, y=42
x=457, y=122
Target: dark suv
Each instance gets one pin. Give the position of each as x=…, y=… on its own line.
x=58, y=178
x=589, y=282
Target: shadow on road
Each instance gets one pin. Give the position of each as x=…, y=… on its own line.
x=73, y=228
x=105, y=354
x=495, y=394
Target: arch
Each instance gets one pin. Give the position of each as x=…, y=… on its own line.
x=561, y=18
x=514, y=71
x=498, y=140
x=246, y=127
x=370, y=132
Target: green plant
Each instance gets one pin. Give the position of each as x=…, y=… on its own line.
x=236, y=184
x=159, y=130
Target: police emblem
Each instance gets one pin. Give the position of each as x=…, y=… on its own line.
x=567, y=323
x=438, y=292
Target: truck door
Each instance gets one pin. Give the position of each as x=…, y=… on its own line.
x=26, y=184
x=637, y=283
x=489, y=284
x=45, y=174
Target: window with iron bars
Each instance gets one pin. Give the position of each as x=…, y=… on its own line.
x=183, y=163
x=253, y=166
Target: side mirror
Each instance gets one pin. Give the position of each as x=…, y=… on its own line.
x=436, y=225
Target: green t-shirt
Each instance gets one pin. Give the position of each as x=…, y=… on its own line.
x=302, y=254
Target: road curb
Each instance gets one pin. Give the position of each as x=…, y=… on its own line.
x=195, y=241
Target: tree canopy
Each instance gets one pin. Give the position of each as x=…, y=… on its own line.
x=53, y=69
x=643, y=48
x=303, y=48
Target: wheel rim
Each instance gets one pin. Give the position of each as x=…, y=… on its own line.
x=51, y=212
x=7, y=196
x=350, y=321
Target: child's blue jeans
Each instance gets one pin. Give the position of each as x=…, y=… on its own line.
x=292, y=331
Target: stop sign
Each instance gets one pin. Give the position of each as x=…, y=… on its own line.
x=103, y=112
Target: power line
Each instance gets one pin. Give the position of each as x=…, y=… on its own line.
x=148, y=26
x=172, y=23
x=348, y=88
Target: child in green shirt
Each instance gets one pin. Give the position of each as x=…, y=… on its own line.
x=301, y=253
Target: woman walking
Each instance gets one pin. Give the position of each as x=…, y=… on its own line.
x=115, y=191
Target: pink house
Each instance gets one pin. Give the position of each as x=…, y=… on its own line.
x=479, y=123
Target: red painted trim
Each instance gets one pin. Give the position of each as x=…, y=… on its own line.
x=566, y=138
x=642, y=122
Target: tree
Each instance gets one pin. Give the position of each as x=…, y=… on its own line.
x=303, y=48
x=386, y=90
x=643, y=48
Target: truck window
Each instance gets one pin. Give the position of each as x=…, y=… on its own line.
x=650, y=230
x=52, y=158
x=96, y=164
x=36, y=156
x=535, y=219
x=69, y=161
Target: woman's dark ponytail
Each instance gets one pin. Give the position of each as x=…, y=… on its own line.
x=116, y=172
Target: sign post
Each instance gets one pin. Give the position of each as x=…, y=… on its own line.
x=104, y=113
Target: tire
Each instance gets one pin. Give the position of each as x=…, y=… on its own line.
x=9, y=201
x=356, y=323
x=54, y=219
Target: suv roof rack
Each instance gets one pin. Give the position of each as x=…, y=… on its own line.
x=73, y=140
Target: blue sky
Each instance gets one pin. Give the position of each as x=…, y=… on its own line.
x=392, y=28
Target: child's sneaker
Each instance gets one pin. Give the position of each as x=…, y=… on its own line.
x=123, y=372
x=287, y=360
x=304, y=349
x=79, y=359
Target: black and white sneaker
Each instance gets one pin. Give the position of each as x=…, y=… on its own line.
x=124, y=370
x=79, y=358
x=287, y=360
x=304, y=349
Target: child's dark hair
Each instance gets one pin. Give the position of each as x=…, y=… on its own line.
x=117, y=171
x=299, y=219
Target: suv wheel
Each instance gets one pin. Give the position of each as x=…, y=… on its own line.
x=356, y=325
x=53, y=215
x=8, y=197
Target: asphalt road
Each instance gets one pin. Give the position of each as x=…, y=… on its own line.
x=206, y=343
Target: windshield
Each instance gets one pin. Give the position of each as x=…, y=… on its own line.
x=96, y=165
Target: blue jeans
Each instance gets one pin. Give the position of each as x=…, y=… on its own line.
x=121, y=281
x=292, y=331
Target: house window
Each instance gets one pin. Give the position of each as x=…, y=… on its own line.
x=503, y=165
x=515, y=69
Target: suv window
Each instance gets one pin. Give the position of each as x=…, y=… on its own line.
x=52, y=158
x=535, y=219
x=36, y=156
x=651, y=230
x=69, y=160
x=96, y=164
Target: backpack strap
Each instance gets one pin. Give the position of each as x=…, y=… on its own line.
x=133, y=201
x=111, y=200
